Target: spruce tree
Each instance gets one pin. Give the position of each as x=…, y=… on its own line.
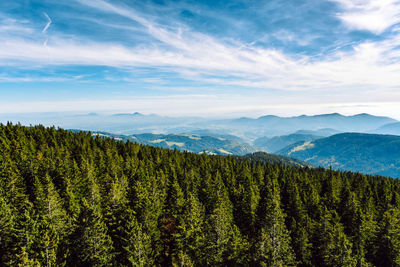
x=191, y=239
x=274, y=243
x=388, y=241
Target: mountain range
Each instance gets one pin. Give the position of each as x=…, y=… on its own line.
x=275, y=126
x=248, y=129
x=356, y=143
x=358, y=152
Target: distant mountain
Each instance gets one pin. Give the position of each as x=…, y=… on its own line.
x=248, y=129
x=186, y=142
x=276, y=159
x=366, y=153
x=327, y=124
x=211, y=133
x=279, y=142
x=325, y=132
x=136, y=114
x=336, y=121
x=391, y=128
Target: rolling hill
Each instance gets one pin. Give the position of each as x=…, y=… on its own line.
x=275, y=159
x=366, y=153
x=325, y=132
x=277, y=143
x=187, y=142
x=391, y=128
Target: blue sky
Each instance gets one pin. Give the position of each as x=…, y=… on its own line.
x=207, y=58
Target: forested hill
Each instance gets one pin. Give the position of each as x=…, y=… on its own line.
x=187, y=142
x=71, y=199
x=275, y=159
x=367, y=153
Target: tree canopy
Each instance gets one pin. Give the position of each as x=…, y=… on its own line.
x=70, y=199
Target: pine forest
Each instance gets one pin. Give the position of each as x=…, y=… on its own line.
x=72, y=199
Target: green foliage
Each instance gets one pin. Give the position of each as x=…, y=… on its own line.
x=71, y=199
x=388, y=250
x=274, y=245
x=332, y=246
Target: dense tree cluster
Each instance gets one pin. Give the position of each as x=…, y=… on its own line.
x=71, y=199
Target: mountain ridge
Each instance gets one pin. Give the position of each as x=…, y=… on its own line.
x=249, y=129
x=186, y=142
x=363, y=152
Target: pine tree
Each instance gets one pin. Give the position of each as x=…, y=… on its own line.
x=138, y=246
x=190, y=238
x=357, y=224
x=246, y=199
x=149, y=197
x=333, y=248
x=118, y=217
x=274, y=247
x=53, y=223
x=91, y=245
x=298, y=222
x=224, y=241
x=388, y=242
x=19, y=228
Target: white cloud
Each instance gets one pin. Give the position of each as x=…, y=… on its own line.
x=13, y=27
x=372, y=15
x=372, y=66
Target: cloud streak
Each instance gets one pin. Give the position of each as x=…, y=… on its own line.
x=47, y=24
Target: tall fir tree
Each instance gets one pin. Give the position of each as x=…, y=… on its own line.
x=274, y=243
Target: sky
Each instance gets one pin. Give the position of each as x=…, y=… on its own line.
x=204, y=58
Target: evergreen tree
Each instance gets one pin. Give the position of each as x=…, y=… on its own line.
x=224, y=243
x=274, y=248
x=191, y=239
x=138, y=247
x=53, y=223
x=74, y=199
x=388, y=242
x=332, y=247
x=91, y=245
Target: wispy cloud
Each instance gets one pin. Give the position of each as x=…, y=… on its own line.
x=29, y=79
x=368, y=67
x=12, y=27
x=185, y=52
x=47, y=24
